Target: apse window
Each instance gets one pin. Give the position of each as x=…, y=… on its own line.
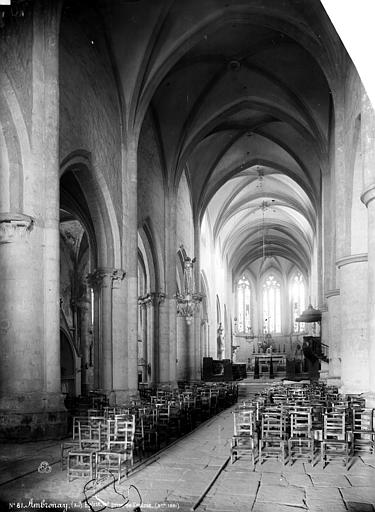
x=298, y=292
x=243, y=304
x=271, y=305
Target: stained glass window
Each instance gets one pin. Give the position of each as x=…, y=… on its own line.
x=298, y=300
x=271, y=305
x=243, y=305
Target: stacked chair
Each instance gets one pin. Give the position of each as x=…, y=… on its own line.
x=110, y=438
x=303, y=421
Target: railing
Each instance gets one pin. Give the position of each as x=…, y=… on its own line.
x=314, y=348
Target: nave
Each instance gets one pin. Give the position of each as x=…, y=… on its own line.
x=195, y=473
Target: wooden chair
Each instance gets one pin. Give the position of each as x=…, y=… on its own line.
x=363, y=430
x=244, y=439
x=272, y=442
x=301, y=441
x=72, y=444
x=118, y=453
x=81, y=459
x=335, y=444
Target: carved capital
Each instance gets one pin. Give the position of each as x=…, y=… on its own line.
x=142, y=301
x=94, y=279
x=14, y=227
x=118, y=276
x=151, y=299
x=104, y=277
x=157, y=298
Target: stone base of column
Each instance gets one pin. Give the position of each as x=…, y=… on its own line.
x=32, y=417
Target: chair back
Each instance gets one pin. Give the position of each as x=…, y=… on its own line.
x=243, y=422
x=300, y=424
x=334, y=425
x=273, y=425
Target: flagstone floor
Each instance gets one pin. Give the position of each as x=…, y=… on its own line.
x=195, y=473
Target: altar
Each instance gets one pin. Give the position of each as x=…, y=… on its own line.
x=266, y=365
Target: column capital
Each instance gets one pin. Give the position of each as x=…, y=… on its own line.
x=152, y=299
x=157, y=298
x=368, y=195
x=96, y=279
x=117, y=276
x=14, y=227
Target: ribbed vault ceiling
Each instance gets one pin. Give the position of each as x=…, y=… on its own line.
x=240, y=96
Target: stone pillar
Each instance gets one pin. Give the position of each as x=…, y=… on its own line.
x=31, y=404
x=168, y=310
x=333, y=336
x=119, y=345
x=353, y=313
x=195, y=328
x=368, y=159
x=196, y=363
x=102, y=281
x=204, y=338
x=182, y=352
x=368, y=198
x=24, y=389
x=130, y=244
x=150, y=338
x=153, y=314
x=144, y=317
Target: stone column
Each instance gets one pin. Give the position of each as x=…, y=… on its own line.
x=333, y=336
x=368, y=198
x=197, y=361
x=368, y=159
x=130, y=244
x=31, y=403
x=119, y=345
x=168, y=311
x=150, y=338
x=204, y=337
x=153, y=331
x=353, y=313
x=23, y=389
x=183, y=338
x=102, y=280
x=143, y=302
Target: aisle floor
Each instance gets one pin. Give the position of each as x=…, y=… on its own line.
x=194, y=473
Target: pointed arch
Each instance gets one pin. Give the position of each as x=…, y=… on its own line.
x=15, y=150
x=100, y=205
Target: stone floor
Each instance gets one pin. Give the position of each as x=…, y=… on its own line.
x=194, y=473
